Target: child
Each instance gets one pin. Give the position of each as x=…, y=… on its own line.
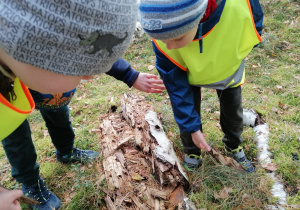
x=194, y=52
x=50, y=46
x=19, y=146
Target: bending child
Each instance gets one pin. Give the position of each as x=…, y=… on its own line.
x=50, y=46
x=202, y=44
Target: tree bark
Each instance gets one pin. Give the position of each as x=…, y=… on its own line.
x=141, y=168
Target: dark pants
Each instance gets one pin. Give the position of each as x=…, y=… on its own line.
x=231, y=119
x=20, y=150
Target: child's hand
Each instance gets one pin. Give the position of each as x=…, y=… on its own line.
x=199, y=140
x=149, y=83
x=8, y=199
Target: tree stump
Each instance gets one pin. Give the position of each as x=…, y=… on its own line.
x=141, y=168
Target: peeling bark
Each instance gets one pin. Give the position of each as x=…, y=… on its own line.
x=141, y=168
x=261, y=130
x=224, y=160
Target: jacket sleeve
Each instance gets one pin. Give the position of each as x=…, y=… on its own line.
x=121, y=70
x=180, y=93
x=258, y=15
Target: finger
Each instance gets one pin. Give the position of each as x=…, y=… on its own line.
x=158, y=87
x=3, y=189
x=16, y=205
x=156, y=81
x=202, y=144
x=206, y=147
x=154, y=91
x=14, y=194
x=151, y=76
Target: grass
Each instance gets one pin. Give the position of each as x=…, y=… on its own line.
x=272, y=88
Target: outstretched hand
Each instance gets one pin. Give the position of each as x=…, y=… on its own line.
x=8, y=199
x=199, y=140
x=149, y=83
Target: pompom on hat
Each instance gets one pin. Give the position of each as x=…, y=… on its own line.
x=166, y=19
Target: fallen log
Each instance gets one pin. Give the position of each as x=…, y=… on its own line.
x=141, y=168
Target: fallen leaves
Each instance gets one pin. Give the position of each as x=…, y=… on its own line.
x=224, y=193
x=151, y=67
x=226, y=161
x=270, y=167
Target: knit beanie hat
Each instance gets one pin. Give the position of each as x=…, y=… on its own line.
x=166, y=19
x=78, y=37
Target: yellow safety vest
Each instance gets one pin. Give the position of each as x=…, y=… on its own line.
x=224, y=47
x=13, y=113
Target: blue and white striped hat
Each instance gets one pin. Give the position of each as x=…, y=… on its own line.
x=166, y=19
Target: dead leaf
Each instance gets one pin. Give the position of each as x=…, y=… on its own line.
x=151, y=67
x=246, y=197
x=265, y=98
x=95, y=130
x=279, y=87
x=258, y=203
x=224, y=193
x=177, y=195
x=136, y=177
x=224, y=160
x=69, y=197
x=270, y=167
x=274, y=110
x=46, y=133
x=82, y=167
x=282, y=106
x=78, y=113
x=70, y=174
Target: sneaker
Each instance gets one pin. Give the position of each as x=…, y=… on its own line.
x=192, y=162
x=77, y=155
x=41, y=193
x=239, y=155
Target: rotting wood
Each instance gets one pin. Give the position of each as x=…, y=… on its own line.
x=140, y=164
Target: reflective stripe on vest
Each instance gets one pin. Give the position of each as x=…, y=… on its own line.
x=13, y=113
x=224, y=48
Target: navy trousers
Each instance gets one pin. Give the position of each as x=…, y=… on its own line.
x=20, y=150
x=231, y=119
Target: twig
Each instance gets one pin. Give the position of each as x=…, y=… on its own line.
x=119, y=207
x=24, y=199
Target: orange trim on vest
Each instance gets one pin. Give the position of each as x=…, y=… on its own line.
x=173, y=61
x=251, y=15
x=28, y=96
x=204, y=34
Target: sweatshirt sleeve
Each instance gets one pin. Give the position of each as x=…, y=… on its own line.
x=121, y=70
x=258, y=15
x=180, y=93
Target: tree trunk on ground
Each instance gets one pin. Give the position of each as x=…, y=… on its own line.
x=141, y=168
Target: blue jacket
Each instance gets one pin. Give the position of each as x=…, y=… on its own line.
x=176, y=81
x=121, y=70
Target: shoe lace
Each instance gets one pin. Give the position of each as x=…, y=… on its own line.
x=191, y=165
x=244, y=162
x=40, y=192
x=78, y=152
